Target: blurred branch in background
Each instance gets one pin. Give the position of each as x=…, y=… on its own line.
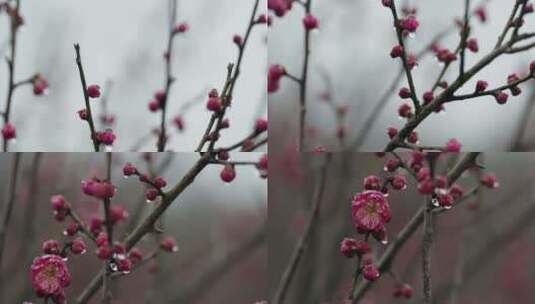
x=7, y=209
x=519, y=136
x=481, y=217
x=213, y=273
x=198, y=260
x=300, y=247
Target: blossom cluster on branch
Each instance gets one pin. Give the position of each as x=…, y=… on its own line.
x=417, y=104
x=370, y=208
x=95, y=96
x=49, y=272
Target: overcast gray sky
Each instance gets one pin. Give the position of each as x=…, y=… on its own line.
x=124, y=41
x=353, y=45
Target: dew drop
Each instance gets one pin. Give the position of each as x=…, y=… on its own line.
x=113, y=267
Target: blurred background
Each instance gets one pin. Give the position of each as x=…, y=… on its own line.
x=219, y=228
x=351, y=51
x=488, y=238
x=123, y=42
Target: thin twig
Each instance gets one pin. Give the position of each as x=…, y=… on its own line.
x=29, y=229
x=404, y=54
x=10, y=200
x=380, y=105
x=464, y=35
x=89, y=119
x=410, y=228
x=109, y=230
x=289, y=272
x=210, y=277
x=233, y=72
x=147, y=225
x=490, y=92
x=169, y=79
x=256, y=145
x=303, y=81
x=501, y=38
x=427, y=110
x=427, y=243
x=14, y=25
x=83, y=227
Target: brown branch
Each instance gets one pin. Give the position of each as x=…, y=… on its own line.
x=297, y=254
x=406, y=67
x=241, y=143
x=303, y=81
x=210, y=277
x=256, y=145
x=14, y=25
x=464, y=35
x=29, y=230
x=490, y=92
x=169, y=79
x=8, y=209
x=380, y=105
x=89, y=119
x=501, y=38
x=410, y=228
x=427, y=110
x=83, y=227
x=109, y=230
x=147, y=226
x=427, y=243
x=233, y=72
x=135, y=216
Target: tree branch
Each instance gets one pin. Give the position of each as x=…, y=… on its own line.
x=408, y=230
x=8, y=209
x=289, y=272
x=147, y=226
x=89, y=119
